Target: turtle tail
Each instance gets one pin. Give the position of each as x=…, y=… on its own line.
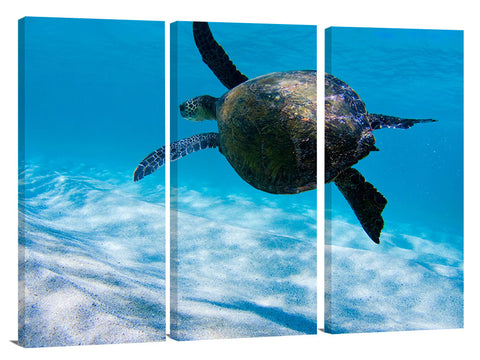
x=215, y=57
x=178, y=150
x=379, y=121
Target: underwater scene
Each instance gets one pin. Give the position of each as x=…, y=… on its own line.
x=91, y=241
x=243, y=260
x=412, y=279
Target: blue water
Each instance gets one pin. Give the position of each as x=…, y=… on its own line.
x=414, y=278
x=243, y=261
x=91, y=241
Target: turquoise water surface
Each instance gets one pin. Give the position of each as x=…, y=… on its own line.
x=92, y=255
x=414, y=278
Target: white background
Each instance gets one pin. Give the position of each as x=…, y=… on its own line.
x=439, y=14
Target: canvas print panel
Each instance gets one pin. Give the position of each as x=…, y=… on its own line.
x=394, y=217
x=243, y=240
x=91, y=241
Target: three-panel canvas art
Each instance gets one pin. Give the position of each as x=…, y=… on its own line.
x=243, y=180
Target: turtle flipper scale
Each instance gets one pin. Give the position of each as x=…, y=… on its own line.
x=215, y=57
x=178, y=150
x=365, y=200
x=151, y=163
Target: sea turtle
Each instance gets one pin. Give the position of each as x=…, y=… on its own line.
x=267, y=131
x=267, y=126
x=348, y=139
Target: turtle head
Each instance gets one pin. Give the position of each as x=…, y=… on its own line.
x=199, y=108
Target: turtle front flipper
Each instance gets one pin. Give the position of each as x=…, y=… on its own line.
x=178, y=150
x=379, y=121
x=365, y=200
x=215, y=57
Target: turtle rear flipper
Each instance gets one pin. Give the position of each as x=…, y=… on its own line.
x=365, y=200
x=379, y=121
x=215, y=57
x=178, y=150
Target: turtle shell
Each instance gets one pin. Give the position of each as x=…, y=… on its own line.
x=348, y=134
x=268, y=131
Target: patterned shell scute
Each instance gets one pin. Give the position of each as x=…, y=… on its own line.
x=348, y=136
x=267, y=129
